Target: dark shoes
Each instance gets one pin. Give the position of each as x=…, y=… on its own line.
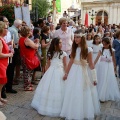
x=3, y=95
x=11, y=91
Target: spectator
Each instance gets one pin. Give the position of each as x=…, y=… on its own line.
x=4, y=54
x=29, y=48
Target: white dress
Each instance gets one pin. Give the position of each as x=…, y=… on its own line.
x=89, y=43
x=107, y=83
x=96, y=49
x=49, y=94
x=80, y=100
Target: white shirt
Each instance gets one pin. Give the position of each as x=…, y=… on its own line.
x=67, y=38
x=8, y=37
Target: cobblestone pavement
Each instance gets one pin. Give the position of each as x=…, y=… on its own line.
x=18, y=107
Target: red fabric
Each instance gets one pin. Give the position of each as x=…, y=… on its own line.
x=29, y=55
x=24, y=51
x=86, y=19
x=3, y=63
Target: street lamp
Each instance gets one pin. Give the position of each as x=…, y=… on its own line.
x=92, y=14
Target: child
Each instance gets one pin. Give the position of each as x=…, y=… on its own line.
x=49, y=94
x=96, y=47
x=89, y=40
x=107, y=84
x=80, y=100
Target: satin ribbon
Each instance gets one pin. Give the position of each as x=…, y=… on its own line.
x=84, y=65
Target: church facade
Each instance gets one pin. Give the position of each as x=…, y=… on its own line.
x=101, y=11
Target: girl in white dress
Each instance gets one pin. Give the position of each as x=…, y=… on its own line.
x=80, y=100
x=107, y=83
x=48, y=97
x=89, y=40
x=96, y=48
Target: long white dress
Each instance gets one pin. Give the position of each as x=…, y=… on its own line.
x=80, y=100
x=96, y=49
x=107, y=83
x=49, y=94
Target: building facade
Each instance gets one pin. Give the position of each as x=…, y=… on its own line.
x=101, y=11
x=29, y=2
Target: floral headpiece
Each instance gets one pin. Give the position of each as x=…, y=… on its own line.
x=80, y=35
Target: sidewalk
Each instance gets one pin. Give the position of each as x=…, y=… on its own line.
x=18, y=107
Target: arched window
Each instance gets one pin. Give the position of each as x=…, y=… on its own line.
x=100, y=13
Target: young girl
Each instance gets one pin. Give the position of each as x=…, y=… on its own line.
x=80, y=100
x=89, y=40
x=49, y=94
x=107, y=84
x=96, y=47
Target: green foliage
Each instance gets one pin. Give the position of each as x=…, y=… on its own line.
x=43, y=7
x=8, y=11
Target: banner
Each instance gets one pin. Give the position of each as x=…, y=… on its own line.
x=58, y=5
x=23, y=13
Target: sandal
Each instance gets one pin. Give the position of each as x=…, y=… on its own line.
x=28, y=89
x=30, y=85
x=3, y=100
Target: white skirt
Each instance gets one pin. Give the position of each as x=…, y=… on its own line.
x=48, y=97
x=107, y=82
x=81, y=100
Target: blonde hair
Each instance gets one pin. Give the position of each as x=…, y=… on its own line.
x=2, y=26
x=61, y=20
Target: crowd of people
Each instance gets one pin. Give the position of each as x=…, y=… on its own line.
x=78, y=65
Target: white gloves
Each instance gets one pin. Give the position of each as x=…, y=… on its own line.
x=94, y=75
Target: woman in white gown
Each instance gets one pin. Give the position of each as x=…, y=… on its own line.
x=107, y=82
x=80, y=100
x=48, y=97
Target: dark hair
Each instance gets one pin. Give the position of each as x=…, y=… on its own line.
x=40, y=21
x=1, y=18
x=54, y=47
x=35, y=31
x=107, y=41
x=88, y=35
x=84, y=48
x=45, y=29
x=95, y=39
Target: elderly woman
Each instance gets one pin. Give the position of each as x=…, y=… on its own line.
x=66, y=35
x=4, y=55
x=28, y=56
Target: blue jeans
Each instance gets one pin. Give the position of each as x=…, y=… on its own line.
x=118, y=63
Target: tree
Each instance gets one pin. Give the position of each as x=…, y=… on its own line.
x=7, y=10
x=41, y=7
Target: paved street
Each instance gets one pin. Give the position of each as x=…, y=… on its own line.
x=18, y=107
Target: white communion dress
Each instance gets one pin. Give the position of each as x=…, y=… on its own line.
x=49, y=94
x=96, y=49
x=81, y=99
x=107, y=83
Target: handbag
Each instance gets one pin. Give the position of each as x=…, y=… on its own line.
x=31, y=63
